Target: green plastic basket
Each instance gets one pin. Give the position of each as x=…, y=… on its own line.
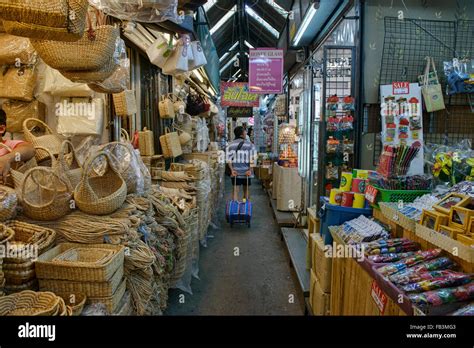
x=394, y=196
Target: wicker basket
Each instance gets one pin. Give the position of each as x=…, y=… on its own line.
x=40, y=236
x=74, y=300
x=6, y=234
x=91, y=289
x=85, y=256
x=48, y=269
x=100, y=195
x=48, y=139
x=29, y=303
x=18, y=83
x=170, y=144
x=111, y=302
x=48, y=197
x=125, y=103
x=69, y=164
x=14, y=277
x=8, y=203
x=146, y=143
x=30, y=285
x=90, y=53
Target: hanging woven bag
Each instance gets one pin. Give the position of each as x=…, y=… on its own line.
x=61, y=20
x=69, y=164
x=92, y=52
x=100, y=195
x=48, y=139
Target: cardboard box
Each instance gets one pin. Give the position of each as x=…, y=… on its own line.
x=289, y=189
x=318, y=300
x=321, y=265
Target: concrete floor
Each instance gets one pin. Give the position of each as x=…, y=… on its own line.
x=257, y=282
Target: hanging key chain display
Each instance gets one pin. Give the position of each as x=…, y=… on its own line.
x=339, y=140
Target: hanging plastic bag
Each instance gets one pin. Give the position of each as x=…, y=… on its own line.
x=199, y=58
x=457, y=77
x=178, y=62
x=160, y=51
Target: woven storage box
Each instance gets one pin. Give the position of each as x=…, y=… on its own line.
x=146, y=143
x=111, y=302
x=18, y=83
x=47, y=139
x=91, y=289
x=100, y=195
x=90, y=53
x=125, y=103
x=171, y=145
x=47, y=269
x=17, y=112
x=14, y=49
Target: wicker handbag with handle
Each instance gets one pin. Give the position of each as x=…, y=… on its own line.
x=170, y=144
x=18, y=83
x=48, y=139
x=125, y=103
x=166, y=108
x=45, y=195
x=100, y=195
x=69, y=164
x=92, y=52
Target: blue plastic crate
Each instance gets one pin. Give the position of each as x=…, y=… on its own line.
x=335, y=215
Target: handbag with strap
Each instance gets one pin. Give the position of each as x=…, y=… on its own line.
x=166, y=107
x=431, y=88
x=195, y=104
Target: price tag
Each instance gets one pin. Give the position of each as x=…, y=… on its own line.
x=379, y=297
x=371, y=194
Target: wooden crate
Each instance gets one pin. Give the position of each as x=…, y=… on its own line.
x=313, y=227
x=319, y=301
x=321, y=264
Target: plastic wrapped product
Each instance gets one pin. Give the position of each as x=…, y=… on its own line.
x=443, y=296
x=427, y=270
x=390, y=257
x=394, y=245
x=18, y=111
x=148, y=11
x=438, y=283
x=16, y=50
x=465, y=311
x=409, y=261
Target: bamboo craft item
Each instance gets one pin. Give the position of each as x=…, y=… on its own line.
x=48, y=140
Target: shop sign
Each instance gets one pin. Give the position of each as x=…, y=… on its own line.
x=266, y=71
x=401, y=88
x=237, y=94
x=379, y=297
x=371, y=194
x=234, y=111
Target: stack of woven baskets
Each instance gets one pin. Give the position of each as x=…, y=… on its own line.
x=27, y=243
x=31, y=303
x=95, y=270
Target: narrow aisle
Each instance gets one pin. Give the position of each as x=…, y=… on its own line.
x=258, y=282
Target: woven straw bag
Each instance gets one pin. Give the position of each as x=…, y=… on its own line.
x=48, y=140
x=18, y=83
x=146, y=143
x=90, y=53
x=46, y=19
x=15, y=50
x=170, y=144
x=18, y=111
x=124, y=136
x=166, y=107
x=125, y=103
x=100, y=195
x=91, y=76
x=69, y=164
x=8, y=203
x=47, y=197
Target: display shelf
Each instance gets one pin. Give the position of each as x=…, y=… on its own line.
x=296, y=244
x=283, y=218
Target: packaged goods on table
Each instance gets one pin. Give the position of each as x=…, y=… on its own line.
x=413, y=273
x=390, y=257
x=361, y=230
x=394, y=245
x=438, y=283
x=465, y=311
x=420, y=256
x=443, y=296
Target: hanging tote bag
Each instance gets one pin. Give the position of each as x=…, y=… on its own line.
x=47, y=139
x=18, y=111
x=45, y=195
x=125, y=103
x=59, y=86
x=146, y=144
x=431, y=88
x=178, y=62
x=91, y=76
x=45, y=19
x=159, y=51
x=84, y=117
x=199, y=58
x=69, y=165
x=92, y=52
x=170, y=144
x=178, y=104
x=100, y=195
x=166, y=107
x=18, y=83
x=195, y=105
